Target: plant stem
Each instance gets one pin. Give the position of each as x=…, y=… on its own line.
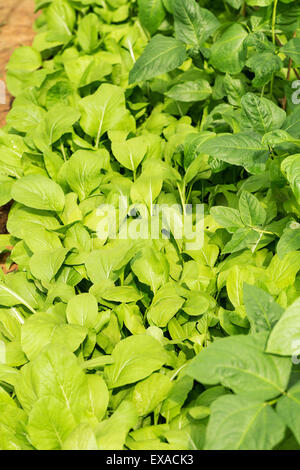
x=294, y=68
x=284, y=101
x=226, y=7
x=272, y=86
x=63, y=151
x=273, y=40
x=273, y=402
x=179, y=108
x=243, y=9
x=204, y=116
x=274, y=21
x=189, y=193
x=182, y=196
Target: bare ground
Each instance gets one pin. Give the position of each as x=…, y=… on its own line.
x=16, y=21
x=16, y=29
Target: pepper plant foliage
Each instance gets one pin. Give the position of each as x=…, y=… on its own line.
x=146, y=344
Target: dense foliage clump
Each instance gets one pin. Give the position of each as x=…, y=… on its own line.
x=123, y=343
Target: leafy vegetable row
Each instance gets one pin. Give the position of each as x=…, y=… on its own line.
x=145, y=343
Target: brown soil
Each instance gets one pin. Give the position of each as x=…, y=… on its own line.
x=16, y=21
x=16, y=29
x=3, y=217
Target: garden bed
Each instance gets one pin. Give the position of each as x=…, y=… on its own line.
x=152, y=151
x=16, y=29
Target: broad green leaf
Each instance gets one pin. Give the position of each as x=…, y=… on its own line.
x=61, y=19
x=243, y=149
x=149, y=393
x=288, y=408
x=193, y=24
x=172, y=405
x=12, y=425
x=228, y=53
x=104, y=111
x=44, y=265
x=40, y=239
x=165, y=304
x=6, y=398
x=111, y=433
x=98, y=395
x=109, y=335
x=136, y=357
x=83, y=310
x=290, y=240
x=292, y=50
x=227, y=217
x=99, y=361
x=78, y=237
x=82, y=438
x=106, y=262
x=240, y=363
x=197, y=304
x=282, y=272
x=132, y=318
x=87, y=69
x=151, y=268
x=190, y=91
x=6, y=185
x=84, y=171
x=18, y=79
x=192, y=146
x=259, y=39
x=71, y=212
x=61, y=92
x=57, y=373
x=285, y=336
x=292, y=123
x=252, y=212
x=261, y=3
x=39, y=192
x=162, y=55
x=236, y=3
x=25, y=58
x=124, y=294
x=50, y=423
x=264, y=65
x=291, y=168
x=131, y=152
x=237, y=276
x=168, y=4
x=260, y=114
x=88, y=33
x=25, y=118
x=11, y=353
x=147, y=188
x=262, y=310
x=255, y=424
x=57, y=122
x=9, y=375
x=151, y=14
x=17, y=290
x=198, y=169
x=43, y=329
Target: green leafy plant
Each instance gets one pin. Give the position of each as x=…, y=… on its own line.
x=112, y=342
